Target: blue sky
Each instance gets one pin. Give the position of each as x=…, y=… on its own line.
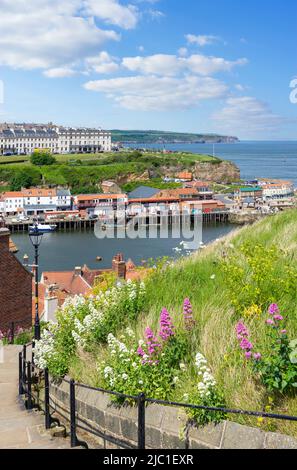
x=183, y=65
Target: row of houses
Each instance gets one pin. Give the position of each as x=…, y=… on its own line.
x=23, y=139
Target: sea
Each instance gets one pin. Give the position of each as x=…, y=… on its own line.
x=255, y=159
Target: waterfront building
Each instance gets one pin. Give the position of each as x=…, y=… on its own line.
x=91, y=201
x=23, y=139
x=277, y=189
x=12, y=203
x=203, y=188
x=251, y=191
x=181, y=194
x=15, y=288
x=35, y=201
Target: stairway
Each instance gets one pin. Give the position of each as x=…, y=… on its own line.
x=19, y=428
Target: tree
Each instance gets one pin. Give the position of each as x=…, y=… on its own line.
x=42, y=157
x=24, y=178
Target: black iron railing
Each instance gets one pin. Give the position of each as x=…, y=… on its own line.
x=27, y=377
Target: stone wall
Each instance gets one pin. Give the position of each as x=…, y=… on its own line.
x=165, y=426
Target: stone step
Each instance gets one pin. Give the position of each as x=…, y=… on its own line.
x=20, y=428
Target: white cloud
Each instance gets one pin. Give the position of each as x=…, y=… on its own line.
x=59, y=72
x=183, y=52
x=151, y=93
x=50, y=34
x=202, y=40
x=113, y=12
x=102, y=63
x=249, y=115
x=170, y=65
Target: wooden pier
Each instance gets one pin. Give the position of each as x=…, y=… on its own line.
x=84, y=225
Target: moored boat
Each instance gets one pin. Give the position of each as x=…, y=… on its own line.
x=42, y=228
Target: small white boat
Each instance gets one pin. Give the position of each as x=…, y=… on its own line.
x=42, y=228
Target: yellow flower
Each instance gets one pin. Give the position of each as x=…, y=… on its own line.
x=252, y=311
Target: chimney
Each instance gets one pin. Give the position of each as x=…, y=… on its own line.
x=4, y=238
x=50, y=306
x=119, y=266
x=77, y=271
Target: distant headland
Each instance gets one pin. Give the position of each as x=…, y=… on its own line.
x=163, y=137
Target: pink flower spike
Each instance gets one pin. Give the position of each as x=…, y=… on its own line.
x=284, y=332
x=248, y=355
x=273, y=309
x=257, y=357
x=270, y=322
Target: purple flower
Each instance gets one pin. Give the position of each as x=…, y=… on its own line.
x=166, y=325
x=278, y=317
x=270, y=322
x=284, y=332
x=241, y=330
x=140, y=352
x=188, y=314
x=273, y=309
x=257, y=357
x=248, y=355
x=246, y=344
x=149, y=333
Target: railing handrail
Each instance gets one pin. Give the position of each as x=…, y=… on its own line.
x=27, y=368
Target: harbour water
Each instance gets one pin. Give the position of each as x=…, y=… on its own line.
x=64, y=250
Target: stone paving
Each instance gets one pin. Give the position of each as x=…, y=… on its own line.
x=19, y=428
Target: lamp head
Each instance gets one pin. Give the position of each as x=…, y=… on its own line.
x=35, y=236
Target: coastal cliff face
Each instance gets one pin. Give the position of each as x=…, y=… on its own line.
x=218, y=172
x=224, y=171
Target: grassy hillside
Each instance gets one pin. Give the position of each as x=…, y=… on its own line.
x=84, y=173
x=235, y=279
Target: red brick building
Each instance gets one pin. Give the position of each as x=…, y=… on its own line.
x=15, y=287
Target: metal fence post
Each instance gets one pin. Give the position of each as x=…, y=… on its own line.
x=21, y=391
x=46, y=400
x=72, y=415
x=141, y=421
x=32, y=355
x=29, y=387
x=24, y=366
x=12, y=333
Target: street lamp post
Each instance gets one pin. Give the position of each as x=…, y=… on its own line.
x=36, y=238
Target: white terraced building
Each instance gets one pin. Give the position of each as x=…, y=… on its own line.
x=23, y=139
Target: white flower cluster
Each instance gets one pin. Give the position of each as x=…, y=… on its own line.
x=92, y=310
x=44, y=348
x=206, y=379
x=98, y=306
